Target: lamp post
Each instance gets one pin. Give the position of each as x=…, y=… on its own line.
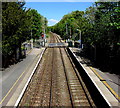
x=31, y=40
x=66, y=31
x=80, y=36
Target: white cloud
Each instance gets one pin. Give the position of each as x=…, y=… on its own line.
x=52, y=22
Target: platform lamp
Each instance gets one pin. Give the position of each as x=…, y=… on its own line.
x=80, y=36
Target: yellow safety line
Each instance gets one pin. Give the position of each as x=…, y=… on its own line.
x=14, y=84
x=29, y=51
x=96, y=73
x=12, y=87
x=105, y=83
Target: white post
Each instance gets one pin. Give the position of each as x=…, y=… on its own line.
x=32, y=43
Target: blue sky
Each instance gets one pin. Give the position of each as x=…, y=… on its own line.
x=54, y=11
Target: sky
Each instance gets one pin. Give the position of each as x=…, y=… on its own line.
x=54, y=11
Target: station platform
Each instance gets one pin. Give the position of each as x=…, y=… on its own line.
x=107, y=84
x=14, y=78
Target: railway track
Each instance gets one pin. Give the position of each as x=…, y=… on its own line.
x=56, y=82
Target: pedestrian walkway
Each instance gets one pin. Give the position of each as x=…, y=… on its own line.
x=111, y=81
x=15, y=77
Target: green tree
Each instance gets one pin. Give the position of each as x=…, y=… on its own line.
x=37, y=23
x=100, y=26
x=71, y=22
x=16, y=29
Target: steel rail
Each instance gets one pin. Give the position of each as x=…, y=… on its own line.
x=36, y=93
x=77, y=74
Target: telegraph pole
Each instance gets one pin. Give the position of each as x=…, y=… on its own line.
x=44, y=35
x=43, y=27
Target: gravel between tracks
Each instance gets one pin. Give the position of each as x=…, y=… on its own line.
x=54, y=82
x=48, y=86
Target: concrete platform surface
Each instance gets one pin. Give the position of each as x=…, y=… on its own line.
x=14, y=78
x=107, y=83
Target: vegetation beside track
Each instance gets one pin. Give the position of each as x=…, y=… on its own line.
x=99, y=26
x=19, y=25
